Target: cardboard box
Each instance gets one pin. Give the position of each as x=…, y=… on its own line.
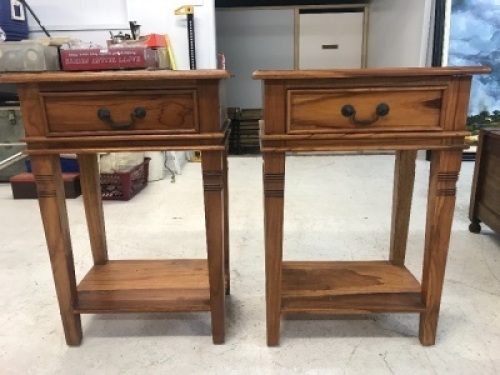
x=113, y=59
x=97, y=59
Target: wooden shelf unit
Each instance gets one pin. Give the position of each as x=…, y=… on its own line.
x=400, y=109
x=86, y=113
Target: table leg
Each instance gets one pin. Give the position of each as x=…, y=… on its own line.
x=404, y=180
x=475, y=224
x=213, y=185
x=226, y=224
x=445, y=167
x=50, y=189
x=91, y=191
x=274, y=185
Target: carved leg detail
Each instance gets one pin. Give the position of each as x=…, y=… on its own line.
x=226, y=225
x=274, y=184
x=445, y=166
x=213, y=185
x=50, y=189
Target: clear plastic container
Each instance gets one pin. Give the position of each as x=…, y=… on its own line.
x=3, y=36
x=27, y=57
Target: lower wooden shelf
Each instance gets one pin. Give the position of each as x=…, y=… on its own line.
x=145, y=286
x=348, y=288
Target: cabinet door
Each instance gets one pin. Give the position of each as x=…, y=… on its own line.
x=330, y=40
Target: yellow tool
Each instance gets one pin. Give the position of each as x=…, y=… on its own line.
x=188, y=11
x=170, y=52
x=185, y=9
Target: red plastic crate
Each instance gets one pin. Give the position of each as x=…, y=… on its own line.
x=124, y=185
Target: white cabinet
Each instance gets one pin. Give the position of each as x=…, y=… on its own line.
x=330, y=40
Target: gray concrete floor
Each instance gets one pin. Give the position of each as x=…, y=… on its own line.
x=337, y=207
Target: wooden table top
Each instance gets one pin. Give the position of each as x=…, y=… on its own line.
x=371, y=73
x=112, y=75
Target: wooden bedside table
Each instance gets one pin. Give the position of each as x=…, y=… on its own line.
x=405, y=109
x=86, y=113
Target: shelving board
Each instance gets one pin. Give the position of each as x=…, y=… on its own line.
x=348, y=288
x=145, y=286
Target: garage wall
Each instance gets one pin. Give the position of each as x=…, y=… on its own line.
x=91, y=21
x=252, y=40
x=398, y=33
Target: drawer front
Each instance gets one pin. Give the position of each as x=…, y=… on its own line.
x=321, y=111
x=135, y=112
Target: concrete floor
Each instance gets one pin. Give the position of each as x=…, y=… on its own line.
x=336, y=208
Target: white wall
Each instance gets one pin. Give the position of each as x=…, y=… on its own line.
x=252, y=40
x=398, y=33
x=158, y=16
x=91, y=21
x=78, y=12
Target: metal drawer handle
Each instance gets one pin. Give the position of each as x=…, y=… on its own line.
x=381, y=111
x=105, y=115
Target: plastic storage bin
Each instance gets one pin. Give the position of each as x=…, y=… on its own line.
x=28, y=57
x=68, y=165
x=123, y=185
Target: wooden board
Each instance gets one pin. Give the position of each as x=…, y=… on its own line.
x=145, y=286
x=348, y=287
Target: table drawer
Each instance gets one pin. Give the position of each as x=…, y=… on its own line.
x=122, y=111
x=355, y=110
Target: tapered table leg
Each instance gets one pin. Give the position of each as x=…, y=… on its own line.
x=445, y=167
x=91, y=191
x=50, y=189
x=404, y=181
x=274, y=185
x=226, y=224
x=213, y=186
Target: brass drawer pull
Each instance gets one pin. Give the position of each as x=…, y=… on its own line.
x=381, y=111
x=105, y=115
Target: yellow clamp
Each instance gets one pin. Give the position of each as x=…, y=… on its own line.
x=185, y=9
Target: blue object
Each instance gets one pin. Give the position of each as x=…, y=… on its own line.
x=67, y=166
x=13, y=20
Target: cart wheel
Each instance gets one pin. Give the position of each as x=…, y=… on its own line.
x=474, y=227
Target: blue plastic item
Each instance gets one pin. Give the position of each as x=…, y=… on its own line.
x=13, y=20
x=67, y=165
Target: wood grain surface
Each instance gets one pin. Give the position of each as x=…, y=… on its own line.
x=129, y=75
x=368, y=73
x=320, y=110
x=145, y=286
x=485, y=194
x=173, y=111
